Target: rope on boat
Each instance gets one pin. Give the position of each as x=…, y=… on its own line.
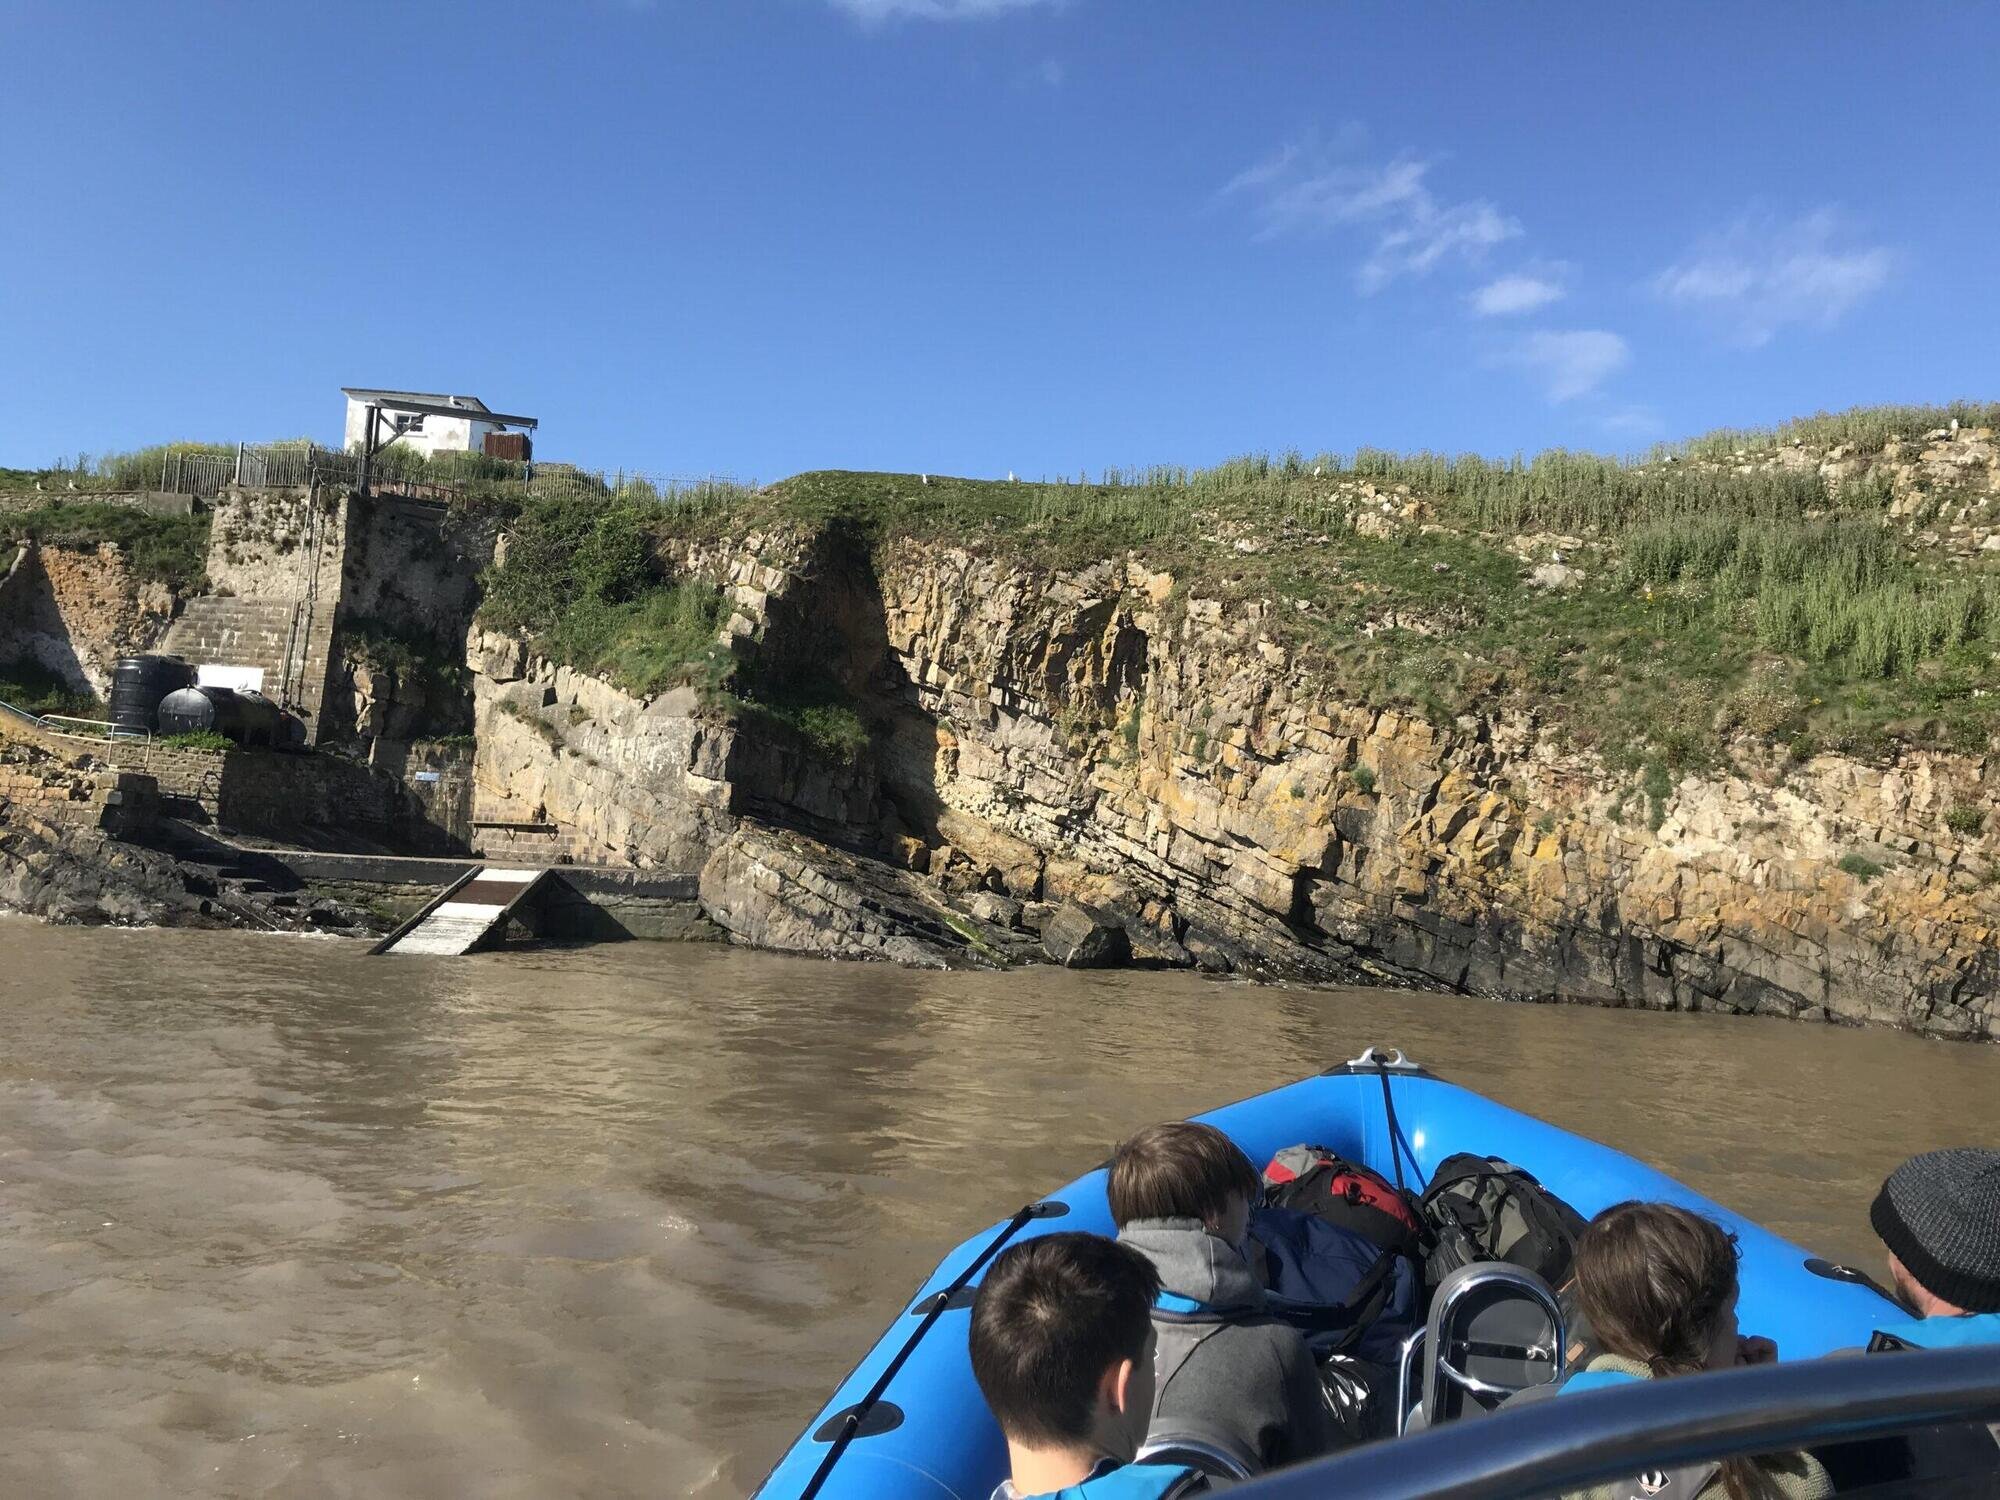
x=858, y=1412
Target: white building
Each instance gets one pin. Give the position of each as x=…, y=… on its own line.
x=426, y=432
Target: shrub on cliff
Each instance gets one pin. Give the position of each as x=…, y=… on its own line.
x=34, y=689
x=164, y=549
x=581, y=577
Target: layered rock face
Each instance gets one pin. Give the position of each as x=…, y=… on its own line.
x=1169, y=760
x=73, y=611
x=1097, y=739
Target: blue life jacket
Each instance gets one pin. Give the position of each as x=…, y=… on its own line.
x=1111, y=1480
x=1597, y=1380
x=1961, y=1332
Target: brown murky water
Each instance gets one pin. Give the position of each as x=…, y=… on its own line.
x=278, y=1219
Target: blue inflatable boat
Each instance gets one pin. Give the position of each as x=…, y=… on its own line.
x=909, y=1424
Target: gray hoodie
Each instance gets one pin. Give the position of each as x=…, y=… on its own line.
x=1249, y=1381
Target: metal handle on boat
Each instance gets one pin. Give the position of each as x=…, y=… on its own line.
x=1382, y=1057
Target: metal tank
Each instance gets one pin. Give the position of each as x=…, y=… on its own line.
x=246, y=718
x=138, y=683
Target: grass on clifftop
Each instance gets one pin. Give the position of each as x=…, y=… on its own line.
x=1704, y=597
x=161, y=549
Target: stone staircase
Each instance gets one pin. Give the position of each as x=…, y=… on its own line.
x=236, y=633
x=288, y=639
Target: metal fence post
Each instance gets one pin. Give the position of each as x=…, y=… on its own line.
x=239, y=464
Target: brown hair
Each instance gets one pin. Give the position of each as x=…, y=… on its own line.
x=1052, y=1315
x=1654, y=1282
x=1179, y=1170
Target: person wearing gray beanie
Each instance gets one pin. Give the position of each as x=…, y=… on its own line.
x=1939, y=1216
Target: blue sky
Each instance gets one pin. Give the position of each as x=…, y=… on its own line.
x=974, y=236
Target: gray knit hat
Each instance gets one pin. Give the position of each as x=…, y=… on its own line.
x=1940, y=1214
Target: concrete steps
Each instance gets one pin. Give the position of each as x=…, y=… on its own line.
x=236, y=633
x=290, y=642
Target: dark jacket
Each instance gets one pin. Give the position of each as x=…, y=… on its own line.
x=1248, y=1382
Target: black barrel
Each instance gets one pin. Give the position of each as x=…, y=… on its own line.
x=138, y=683
x=187, y=711
x=246, y=718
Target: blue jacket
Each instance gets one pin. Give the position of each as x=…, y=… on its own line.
x=1962, y=1332
x=1111, y=1480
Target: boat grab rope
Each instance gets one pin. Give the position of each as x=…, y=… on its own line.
x=1399, y=1146
x=857, y=1413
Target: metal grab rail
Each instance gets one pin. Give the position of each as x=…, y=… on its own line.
x=1575, y=1441
x=109, y=730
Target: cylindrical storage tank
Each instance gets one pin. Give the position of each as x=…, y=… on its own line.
x=187, y=711
x=252, y=719
x=138, y=683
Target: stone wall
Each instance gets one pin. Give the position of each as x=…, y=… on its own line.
x=324, y=800
x=275, y=559
x=75, y=610
x=72, y=789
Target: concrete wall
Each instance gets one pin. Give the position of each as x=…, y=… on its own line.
x=275, y=559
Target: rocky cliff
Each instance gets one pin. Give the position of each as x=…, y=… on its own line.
x=1107, y=737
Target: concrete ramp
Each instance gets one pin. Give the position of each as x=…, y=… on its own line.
x=471, y=913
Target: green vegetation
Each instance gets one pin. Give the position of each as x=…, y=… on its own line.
x=1701, y=598
x=585, y=580
x=1860, y=866
x=830, y=729
x=1867, y=428
x=34, y=689
x=1364, y=781
x=197, y=739
x=163, y=549
x=141, y=469
x=1964, y=819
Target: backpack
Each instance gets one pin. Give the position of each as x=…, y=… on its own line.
x=1343, y=1292
x=1345, y=1194
x=1483, y=1208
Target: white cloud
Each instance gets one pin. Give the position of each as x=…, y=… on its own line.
x=1318, y=188
x=874, y=12
x=1760, y=274
x=1633, y=422
x=1570, y=363
x=1519, y=293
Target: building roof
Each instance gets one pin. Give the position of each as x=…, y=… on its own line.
x=426, y=398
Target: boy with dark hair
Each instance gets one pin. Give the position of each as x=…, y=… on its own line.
x=1062, y=1348
x=1227, y=1373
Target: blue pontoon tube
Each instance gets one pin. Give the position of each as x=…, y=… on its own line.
x=908, y=1422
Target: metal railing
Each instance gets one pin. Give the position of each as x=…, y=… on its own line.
x=90, y=729
x=442, y=477
x=1564, y=1445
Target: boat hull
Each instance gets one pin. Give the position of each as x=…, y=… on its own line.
x=945, y=1445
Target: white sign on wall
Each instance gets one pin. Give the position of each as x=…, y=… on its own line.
x=242, y=679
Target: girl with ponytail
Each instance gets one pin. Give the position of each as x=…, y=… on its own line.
x=1657, y=1286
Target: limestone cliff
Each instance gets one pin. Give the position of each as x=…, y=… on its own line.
x=74, y=610
x=1103, y=735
